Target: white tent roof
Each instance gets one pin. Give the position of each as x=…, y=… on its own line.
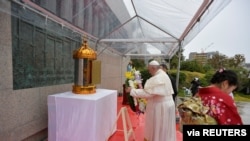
x=133, y=27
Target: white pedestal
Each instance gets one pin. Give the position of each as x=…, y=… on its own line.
x=74, y=117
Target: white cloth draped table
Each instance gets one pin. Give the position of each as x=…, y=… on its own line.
x=88, y=117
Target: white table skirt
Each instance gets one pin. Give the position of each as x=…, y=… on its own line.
x=74, y=117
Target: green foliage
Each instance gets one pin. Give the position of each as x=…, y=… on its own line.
x=145, y=75
x=217, y=61
x=208, y=68
x=192, y=66
x=191, y=69
x=240, y=94
x=237, y=96
x=241, y=97
x=242, y=77
x=208, y=76
x=138, y=64
x=213, y=64
x=127, y=83
x=188, y=77
x=238, y=59
x=182, y=77
x=174, y=62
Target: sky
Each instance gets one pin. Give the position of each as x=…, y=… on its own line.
x=228, y=32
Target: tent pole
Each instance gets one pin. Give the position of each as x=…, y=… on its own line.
x=179, y=66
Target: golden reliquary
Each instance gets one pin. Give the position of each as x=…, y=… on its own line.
x=87, y=70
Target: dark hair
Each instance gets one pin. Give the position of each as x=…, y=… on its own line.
x=164, y=66
x=222, y=75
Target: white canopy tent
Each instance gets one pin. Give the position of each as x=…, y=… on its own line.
x=164, y=24
x=131, y=27
x=134, y=28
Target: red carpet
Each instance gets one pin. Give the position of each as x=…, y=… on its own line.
x=137, y=125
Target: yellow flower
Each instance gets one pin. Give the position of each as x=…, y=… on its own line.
x=133, y=78
x=143, y=100
x=129, y=75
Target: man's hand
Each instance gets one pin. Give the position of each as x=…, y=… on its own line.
x=128, y=89
x=140, y=86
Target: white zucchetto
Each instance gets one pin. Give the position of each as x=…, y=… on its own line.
x=154, y=63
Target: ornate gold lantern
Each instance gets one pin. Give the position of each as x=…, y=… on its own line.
x=83, y=82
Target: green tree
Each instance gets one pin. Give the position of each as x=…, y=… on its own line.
x=218, y=61
x=207, y=68
x=192, y=66
x=174, y=61
x=238, y=60
x=138, y=64
x=230, y=63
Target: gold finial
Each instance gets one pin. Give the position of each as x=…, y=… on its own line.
x=84, y=39
x=84, y=51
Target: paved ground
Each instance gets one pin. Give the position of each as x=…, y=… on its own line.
x=244, y=110
x=243, y=107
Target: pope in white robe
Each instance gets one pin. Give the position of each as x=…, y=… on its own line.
x=160, y=119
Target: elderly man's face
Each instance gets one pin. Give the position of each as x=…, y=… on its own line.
x=151, y=69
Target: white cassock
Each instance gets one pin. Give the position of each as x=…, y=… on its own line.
x=160, y=116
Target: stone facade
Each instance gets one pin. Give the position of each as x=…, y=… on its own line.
x=24, y=112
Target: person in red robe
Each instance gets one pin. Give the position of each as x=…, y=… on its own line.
x=216, y=96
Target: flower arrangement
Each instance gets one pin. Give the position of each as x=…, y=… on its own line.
x=133, y=79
